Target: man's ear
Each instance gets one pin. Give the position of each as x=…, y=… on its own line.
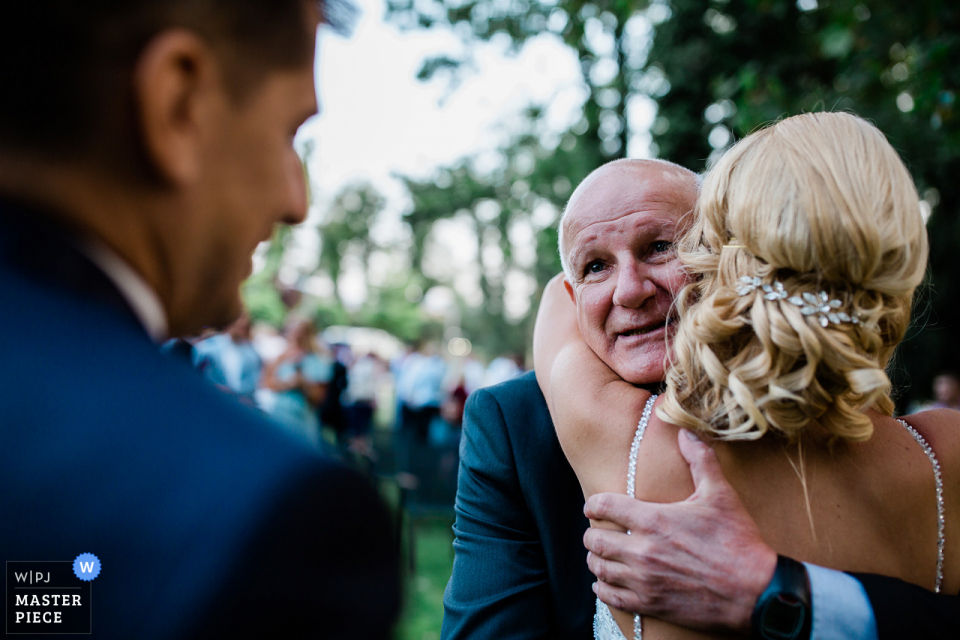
x=176, y=86
x=569, y=288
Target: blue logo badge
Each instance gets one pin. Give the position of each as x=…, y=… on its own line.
x=86, y=566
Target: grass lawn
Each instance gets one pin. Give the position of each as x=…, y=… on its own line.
x=423, y=587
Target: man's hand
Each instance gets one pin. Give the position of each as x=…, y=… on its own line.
x=700, y=563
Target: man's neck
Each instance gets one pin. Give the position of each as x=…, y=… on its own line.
x=96, y=207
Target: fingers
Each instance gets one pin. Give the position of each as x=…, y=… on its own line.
x=617, y=508
x=617, y=597
x=704, y=466
x=605, y=543
x=614, y=557
x=609, y=571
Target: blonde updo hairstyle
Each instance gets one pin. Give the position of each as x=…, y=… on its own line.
x=819, y=202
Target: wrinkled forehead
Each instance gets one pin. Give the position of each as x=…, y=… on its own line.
x=627, y=192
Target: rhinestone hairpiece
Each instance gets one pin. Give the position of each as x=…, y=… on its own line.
x=810, y=304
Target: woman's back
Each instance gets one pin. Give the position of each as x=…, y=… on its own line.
x=872, y=505
x=803, y=257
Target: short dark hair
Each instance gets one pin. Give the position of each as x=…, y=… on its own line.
x=66, y=65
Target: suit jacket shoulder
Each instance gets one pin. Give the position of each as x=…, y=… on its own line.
x=519, y=569
x=111, y=448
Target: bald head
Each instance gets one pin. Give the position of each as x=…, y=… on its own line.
x=625, y=174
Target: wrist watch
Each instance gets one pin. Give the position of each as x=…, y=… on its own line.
x=784, y=611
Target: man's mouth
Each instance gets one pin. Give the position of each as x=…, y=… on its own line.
x=650, y=328
x=642, y=330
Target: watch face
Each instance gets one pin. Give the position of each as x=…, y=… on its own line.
x=783, y=617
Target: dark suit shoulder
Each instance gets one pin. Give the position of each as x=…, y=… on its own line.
x=508, y=433
x=123, y=452
x=519, y=569
x=326, y=540
x=521, y=413
x=517, y=392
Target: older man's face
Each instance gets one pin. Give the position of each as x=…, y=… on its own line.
x=619, y=240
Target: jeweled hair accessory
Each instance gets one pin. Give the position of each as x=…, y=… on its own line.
x=810, y=304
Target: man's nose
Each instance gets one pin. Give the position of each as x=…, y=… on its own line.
x=633, y=286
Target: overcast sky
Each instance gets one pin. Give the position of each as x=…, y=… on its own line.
x=378, y=120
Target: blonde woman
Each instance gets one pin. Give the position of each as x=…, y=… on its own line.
x=804, y=254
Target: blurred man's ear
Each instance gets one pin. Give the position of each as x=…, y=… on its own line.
x=569, y=288
x=177, y=88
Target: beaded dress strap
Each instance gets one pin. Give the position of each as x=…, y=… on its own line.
x=632, y=482
x=938, y=479
x=635, y=447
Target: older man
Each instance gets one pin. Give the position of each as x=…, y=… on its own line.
x=145, y=150
x=519, y=569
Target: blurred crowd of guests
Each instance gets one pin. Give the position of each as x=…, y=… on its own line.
x=331, y=396
x=328, y=394
x=946, y=393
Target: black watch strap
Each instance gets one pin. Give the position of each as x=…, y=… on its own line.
x=784, y=611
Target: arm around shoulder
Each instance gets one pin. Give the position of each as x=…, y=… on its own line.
x=594, y=410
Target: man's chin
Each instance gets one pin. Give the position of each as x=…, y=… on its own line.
x=646, y=378
x=640, y=368
x=216, y=315
x=226, y=314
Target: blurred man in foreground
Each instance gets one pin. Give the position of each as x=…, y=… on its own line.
x=145, y=150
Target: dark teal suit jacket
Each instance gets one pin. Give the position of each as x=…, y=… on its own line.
x=520, y=567
x=208, y=520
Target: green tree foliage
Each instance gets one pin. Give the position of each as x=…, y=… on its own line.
x=720, y=69
x=611, y=54
x=346, y=226
x=261, y=292
x=735, y=66
x=528, y=178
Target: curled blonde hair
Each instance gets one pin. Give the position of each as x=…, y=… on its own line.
x=819, y=202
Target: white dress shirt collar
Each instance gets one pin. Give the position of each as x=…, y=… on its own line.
x=143, y=300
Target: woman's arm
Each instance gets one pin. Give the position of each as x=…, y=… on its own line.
x=594, y=411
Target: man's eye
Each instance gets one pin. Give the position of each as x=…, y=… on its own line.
x=594, y=267
x=662, y=245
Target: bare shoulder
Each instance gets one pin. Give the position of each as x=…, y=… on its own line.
x=663, y=475
x=941, y=428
